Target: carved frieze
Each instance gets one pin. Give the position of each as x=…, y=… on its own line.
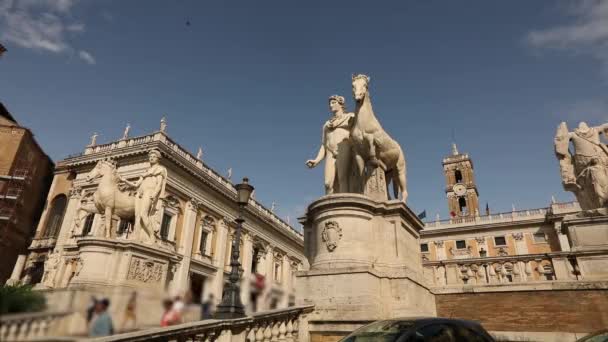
x=146, y=271
x=332, y=233
x=518, y=236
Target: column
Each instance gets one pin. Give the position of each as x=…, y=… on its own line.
x=220, y=248
x=247, y=252
x=285, y=281
x=17, y=270
x=180, y=284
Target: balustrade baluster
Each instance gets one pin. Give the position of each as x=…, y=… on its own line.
x=12, y=331
x=22, y=333
x=268, y=332
x=296, y=326
x=289, y=330
x=34, y=328
x=259, y=334
x=282, y=330
x=275, y=331
x=251, y=333
x=3, y=332
x=44, y=327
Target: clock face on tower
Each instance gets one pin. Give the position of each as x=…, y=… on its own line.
x=459, y=189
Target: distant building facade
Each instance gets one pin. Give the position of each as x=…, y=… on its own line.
x=474, y=248
x=25, y=175
x=190, y=253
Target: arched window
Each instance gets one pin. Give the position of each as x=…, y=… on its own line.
x=55, y=218
x=462, y=203
x=458, y=176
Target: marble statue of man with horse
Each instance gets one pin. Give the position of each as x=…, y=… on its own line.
x=113, y=197
x=374, y=156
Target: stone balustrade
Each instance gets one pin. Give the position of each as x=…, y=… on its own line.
x=509, y=270
x=507, y=217
x=276, y=325
x=30, y=326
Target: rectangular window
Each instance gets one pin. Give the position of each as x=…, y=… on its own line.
x=424, y=247
x=540, y=238
x=461, y=244
x=500, y=241
x=165, y=226
x=88, y=225
x=203, y=244
x=125, y=227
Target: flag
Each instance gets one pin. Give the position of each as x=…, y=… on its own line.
x=422, y=215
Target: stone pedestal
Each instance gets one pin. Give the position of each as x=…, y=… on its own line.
x=365, y=263
x=114, y=269
x=588, y=233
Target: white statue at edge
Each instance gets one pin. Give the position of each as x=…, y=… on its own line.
x=110, y=200
x=371, y=144
x=585, y=173
x=336, y=149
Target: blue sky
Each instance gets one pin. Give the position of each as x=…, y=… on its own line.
x=249, y=82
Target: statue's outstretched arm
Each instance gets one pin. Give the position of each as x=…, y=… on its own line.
x=603, y=128
x=321, y=154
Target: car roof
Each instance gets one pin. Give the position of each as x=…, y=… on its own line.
x=419, y=321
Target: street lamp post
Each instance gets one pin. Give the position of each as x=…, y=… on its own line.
x=231, y=305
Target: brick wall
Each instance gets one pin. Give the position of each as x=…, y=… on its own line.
x=563, y=311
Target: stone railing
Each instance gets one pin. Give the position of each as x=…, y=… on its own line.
x=513, y=216
x=275, y=325
x=508, y=270
x=30, y=326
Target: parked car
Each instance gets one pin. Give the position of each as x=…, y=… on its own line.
x=598, y=336
x=420, y=330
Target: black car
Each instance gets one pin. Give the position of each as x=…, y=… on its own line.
x=420, y=330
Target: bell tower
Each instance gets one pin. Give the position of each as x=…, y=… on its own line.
x=461, y=189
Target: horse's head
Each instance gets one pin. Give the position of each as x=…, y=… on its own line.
x=360, y=83
x=102, y=168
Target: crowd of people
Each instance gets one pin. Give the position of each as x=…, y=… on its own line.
x=100, y=321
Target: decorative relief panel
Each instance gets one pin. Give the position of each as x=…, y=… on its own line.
x=146, y=271
x=332, y=233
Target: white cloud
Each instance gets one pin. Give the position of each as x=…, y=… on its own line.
x=87, y=57
x=43, y=25
x=586, y=34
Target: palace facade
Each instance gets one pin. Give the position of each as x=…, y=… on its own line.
x=76, y=256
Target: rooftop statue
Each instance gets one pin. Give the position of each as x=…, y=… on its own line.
x=371, y=144
x=585, y=172
x=336, y=148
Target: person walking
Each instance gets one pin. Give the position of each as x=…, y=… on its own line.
x=101, y=324
x=130, y=313
x=170, y=316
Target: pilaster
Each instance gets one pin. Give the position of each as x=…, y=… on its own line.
x=189, y=225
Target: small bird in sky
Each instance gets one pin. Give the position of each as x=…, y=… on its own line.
x=187, y=22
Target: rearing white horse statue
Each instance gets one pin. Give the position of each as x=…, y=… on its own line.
x=108, y=199
x=372, y=144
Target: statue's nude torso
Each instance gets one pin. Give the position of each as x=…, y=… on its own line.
x=337, y=133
